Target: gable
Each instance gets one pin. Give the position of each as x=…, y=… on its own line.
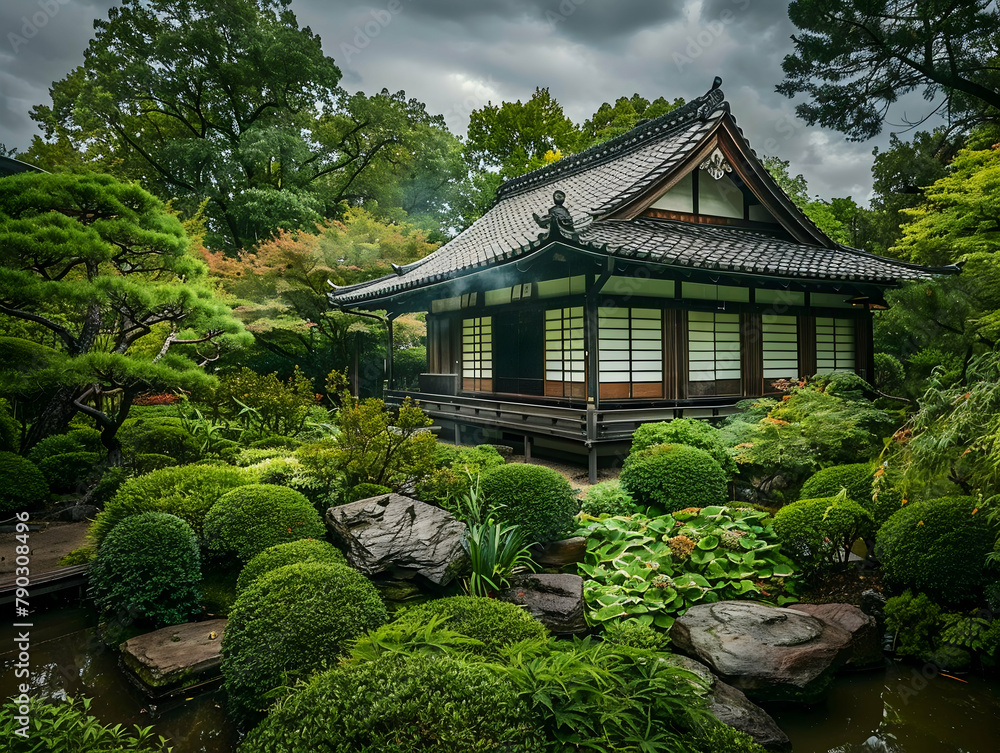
x=714, y=189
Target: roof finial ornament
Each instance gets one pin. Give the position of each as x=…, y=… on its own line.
x=717, y=83
x=557, y=220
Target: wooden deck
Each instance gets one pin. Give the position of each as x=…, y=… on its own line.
x=72, y=576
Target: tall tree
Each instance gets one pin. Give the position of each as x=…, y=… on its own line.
x=229, y=102
x=514, y=138
x=856, y=58
x=102, y=269
x=614, y=120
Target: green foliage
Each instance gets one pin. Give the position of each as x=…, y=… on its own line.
x=938, y=547
x=454, y=472
x=67, y=726
x=687, y=431
x=82, y=254
x=373, y=446
x=635, y=634
x=364, y=491
x=78, y=440
x=496, y=553
x=537, y=499
x=590, y=695
x=10, y=429
x=279, y=555
x=956, y=432
x=669, y=477
x=713, y=738
x=187, y=491
x=264, y=405
x=147, y=570
x=160, y=435
x=247, y=520
x=868, y=485
x=71, y=471
x=818, y=533
x=494, y=624
x=289, y=623
x=79, y=556
x=398, y=704
x=22, y=485
x=650, y=570
x=607, y=498
x=854, y=59
x=889, y=374
x=826, y=421
x=914, y=619
x=625, y=114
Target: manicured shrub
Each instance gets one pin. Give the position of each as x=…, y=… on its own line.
x=398, y=704
x=289, y=623
x=818, y=533
x=304, y=550
x=275, y=442
x=608, y=498
x=536, y=498
x=161, y=435
x=10, y=429
x=22, y=485
x=249, y=519
x=71, y=471
x=364, y=491
x=148, y=569
x=881, y=499
x=671, y=477
x=185, y=491
x=687, y=431
x=890, y=375
x=79, y=440
x=939, y=547
x=148, y=462
x=915, y=621
x=495, y=623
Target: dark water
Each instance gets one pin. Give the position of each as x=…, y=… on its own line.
x=900, y=710
x=67, y=659
x=895, y=711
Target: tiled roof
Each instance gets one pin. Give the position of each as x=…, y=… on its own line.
x=604, y=178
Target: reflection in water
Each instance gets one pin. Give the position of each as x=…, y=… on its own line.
x=900, y=710
x=66, y=659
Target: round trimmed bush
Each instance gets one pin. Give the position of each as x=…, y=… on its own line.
x=304, y=550
x=397, y=704
x=938, y=547
x=496, y=623
x=289, y=623
x=161, y=435
x=538, y=499
x=70, y=471
x=687, y=431
x=22, y=485
x=817, y=533
x=252, y=518
x=857, y=479
x=608, y=498
x=187, y=491
x=148, y=568
x=670, y=477
x=60, y=444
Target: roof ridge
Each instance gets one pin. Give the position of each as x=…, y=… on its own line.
x=697, y=109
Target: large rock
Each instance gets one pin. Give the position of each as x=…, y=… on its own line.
x=560, y=553
x=399, y=536
x=866, y=644
x=178, y=655
x=731, y=706
x=769, y=653
x=555, y=600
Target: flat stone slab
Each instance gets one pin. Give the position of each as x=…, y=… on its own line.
x=176, y=655
x=769, y=653
x=399, y=536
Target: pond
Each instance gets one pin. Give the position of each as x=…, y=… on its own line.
x=895, y=711
x=66, y=657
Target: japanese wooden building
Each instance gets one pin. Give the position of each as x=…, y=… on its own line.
x=661, y=274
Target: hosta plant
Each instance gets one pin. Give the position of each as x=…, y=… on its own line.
x=651, y=570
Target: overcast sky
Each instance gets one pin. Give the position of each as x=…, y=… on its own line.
x=456, y=55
